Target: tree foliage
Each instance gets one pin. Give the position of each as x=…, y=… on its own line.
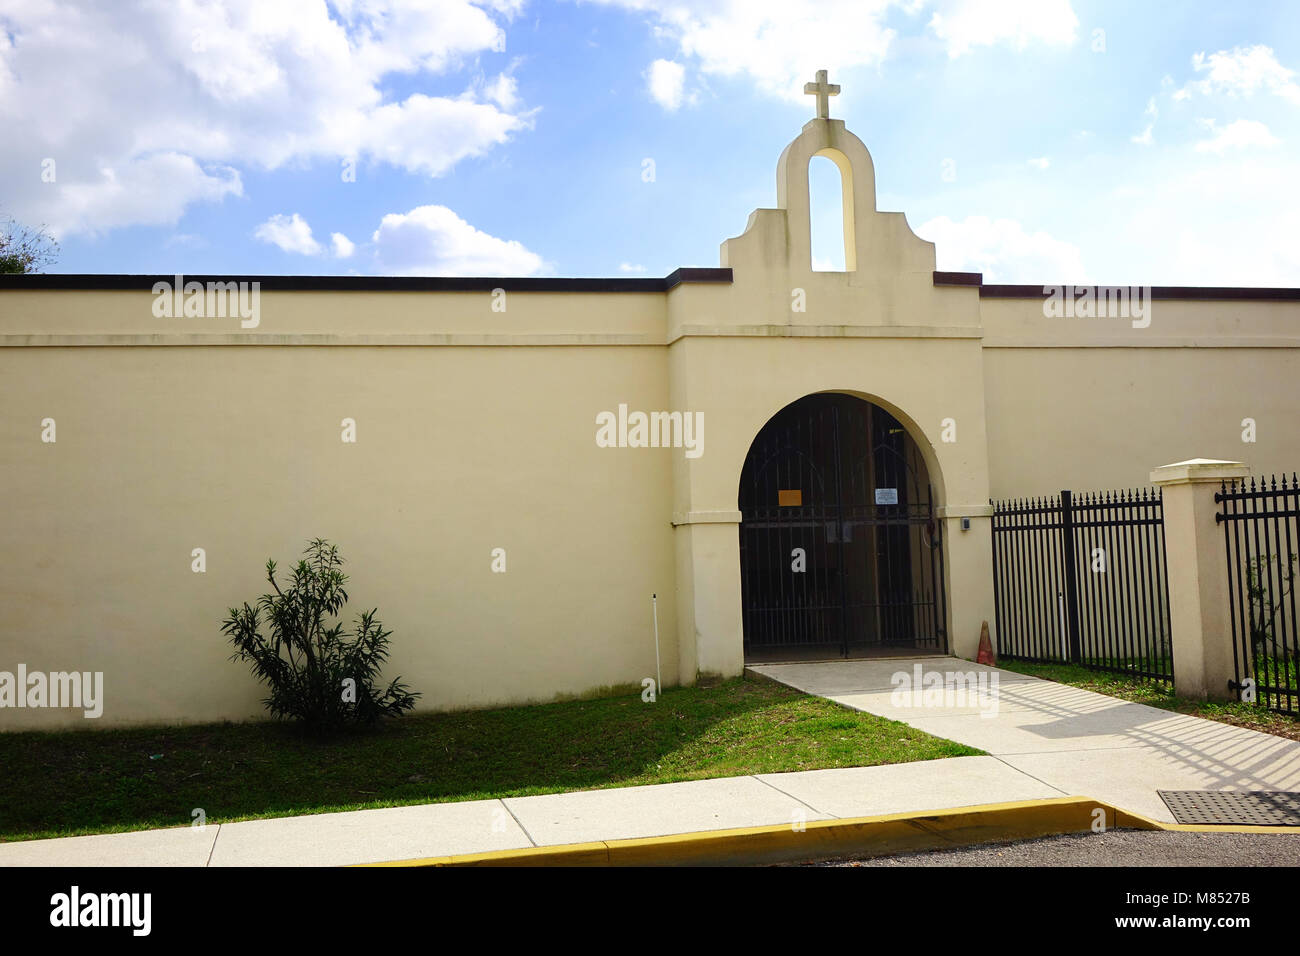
x=318, y=673
x=23, y=249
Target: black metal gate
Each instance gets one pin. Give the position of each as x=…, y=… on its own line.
x=839, y=547
x=1082, y=578
x=1261, y=525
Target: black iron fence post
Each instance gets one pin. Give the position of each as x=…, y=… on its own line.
x=1071, y=575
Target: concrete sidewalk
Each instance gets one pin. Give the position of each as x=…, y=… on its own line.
x=443, y=829
x=1045, y=740
x=1071, y=740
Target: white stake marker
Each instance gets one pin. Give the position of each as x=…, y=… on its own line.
x=659, y=680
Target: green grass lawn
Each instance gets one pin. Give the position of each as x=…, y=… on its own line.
x=1160, y=695
x=61, y=784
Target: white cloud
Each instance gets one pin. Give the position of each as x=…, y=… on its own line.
x=628, y=267
x=778, y=44
x=1242, y=71
x=151, y=190
x=510, y=8
x=1151, y=113
x=290, y=234
x=503, y=91
x=342, y=246
x=1218, y=219
x=963, y=24
x=1236, y=135
x=429, y=134
x=115, y=92
x=665, y=80
x=428, y=240
x=1002, y=250
x=433, y=240
x=1042, y=162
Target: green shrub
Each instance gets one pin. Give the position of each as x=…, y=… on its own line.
x=320, y=675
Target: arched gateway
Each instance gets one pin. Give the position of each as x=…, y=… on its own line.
x=840, y=550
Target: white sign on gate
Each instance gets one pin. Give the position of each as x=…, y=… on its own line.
x=886, y=496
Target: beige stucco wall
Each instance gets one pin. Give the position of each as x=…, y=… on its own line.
x=310, y=317
x=1093, y=404
x=476, y=430
x=237, y=450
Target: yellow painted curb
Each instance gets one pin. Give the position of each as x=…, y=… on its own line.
x=822, y=839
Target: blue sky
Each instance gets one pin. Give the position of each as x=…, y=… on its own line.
x=1038, y=141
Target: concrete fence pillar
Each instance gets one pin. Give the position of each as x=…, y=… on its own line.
x=1199, y=616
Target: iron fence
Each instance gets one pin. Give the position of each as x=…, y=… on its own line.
x=1083, y=579
x=1260, y=542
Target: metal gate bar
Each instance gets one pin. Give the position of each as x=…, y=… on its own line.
x=1082, y=579
x=809, y=482
x=1260, y=547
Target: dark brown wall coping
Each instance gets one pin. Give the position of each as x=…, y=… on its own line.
x=55, y=280
x=1239, y=293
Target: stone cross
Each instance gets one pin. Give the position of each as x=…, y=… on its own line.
x=823, y=91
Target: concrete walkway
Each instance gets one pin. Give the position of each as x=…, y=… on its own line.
x=1045, y=740
x=442, y=829
x=1071, y=740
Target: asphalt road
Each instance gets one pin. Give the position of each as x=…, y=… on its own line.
x=1114, y=848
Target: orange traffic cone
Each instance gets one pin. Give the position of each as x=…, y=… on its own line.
x=986, y=647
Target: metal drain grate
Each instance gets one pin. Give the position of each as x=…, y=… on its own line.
x=1267, y=808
